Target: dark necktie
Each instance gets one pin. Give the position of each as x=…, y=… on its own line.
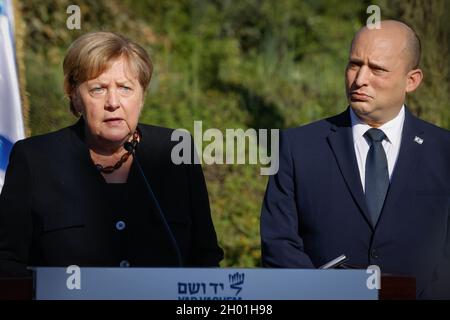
x=377, y=174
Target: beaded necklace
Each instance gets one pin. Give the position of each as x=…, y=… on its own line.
x=123, y=159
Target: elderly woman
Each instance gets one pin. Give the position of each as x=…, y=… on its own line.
x=78, y=196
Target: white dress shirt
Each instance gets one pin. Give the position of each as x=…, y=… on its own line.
x=393, y=131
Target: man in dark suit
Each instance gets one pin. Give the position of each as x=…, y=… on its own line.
x=373, y=182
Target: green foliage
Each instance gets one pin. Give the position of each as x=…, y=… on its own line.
x=232, y=64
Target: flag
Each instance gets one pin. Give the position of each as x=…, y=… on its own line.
x=11, y=121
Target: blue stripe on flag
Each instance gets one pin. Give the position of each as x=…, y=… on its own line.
x=5, y=149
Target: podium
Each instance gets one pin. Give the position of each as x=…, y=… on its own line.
x=204, y=284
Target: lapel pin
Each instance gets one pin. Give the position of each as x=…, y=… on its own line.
x=418, y=140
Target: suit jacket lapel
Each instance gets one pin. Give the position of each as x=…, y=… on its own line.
x=407, y=161
x=341, y=142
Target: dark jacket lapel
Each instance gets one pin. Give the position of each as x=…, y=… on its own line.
x=341, y=142
x=407, y=161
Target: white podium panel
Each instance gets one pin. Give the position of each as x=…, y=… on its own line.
x=201, y=284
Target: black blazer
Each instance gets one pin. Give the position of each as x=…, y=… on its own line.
x=57, y=210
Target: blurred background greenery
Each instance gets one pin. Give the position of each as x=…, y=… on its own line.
x=232, y=64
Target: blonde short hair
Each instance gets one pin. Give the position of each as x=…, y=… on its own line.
x=93, y=53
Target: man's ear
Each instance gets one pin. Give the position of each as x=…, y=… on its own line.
x=413, y=80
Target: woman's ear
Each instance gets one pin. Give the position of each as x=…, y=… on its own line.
x=144, y=94
x=76, y=103
x=141, y=108
x=413, y=80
